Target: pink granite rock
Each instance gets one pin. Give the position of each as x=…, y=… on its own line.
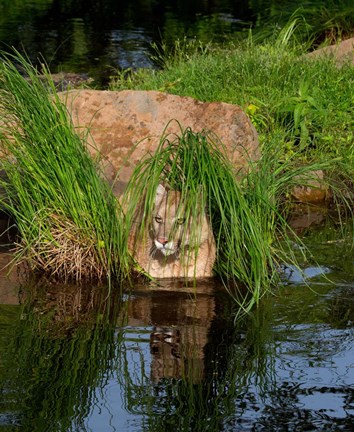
x=341, y=52
x=311, y=188
x=120, y=120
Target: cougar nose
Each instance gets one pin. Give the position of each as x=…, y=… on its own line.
x=162, y=240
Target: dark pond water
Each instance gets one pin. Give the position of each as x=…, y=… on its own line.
x=99, y=36
x=173, y=359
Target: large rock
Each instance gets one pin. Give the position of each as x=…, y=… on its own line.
x=341, y=52
x=119, y=120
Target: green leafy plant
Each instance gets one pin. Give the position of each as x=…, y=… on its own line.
x=302, y=114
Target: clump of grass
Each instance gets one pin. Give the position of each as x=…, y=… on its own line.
x=244, y=228
x=69, y=222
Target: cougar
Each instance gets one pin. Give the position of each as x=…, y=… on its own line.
x=174, y=245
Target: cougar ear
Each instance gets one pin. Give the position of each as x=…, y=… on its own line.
x=160, y=193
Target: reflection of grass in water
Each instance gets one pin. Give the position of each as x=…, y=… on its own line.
x=62, y=370
x=238, y=364
x=69, y=221
x=332, y=245
x=61, y=378
x=60, y=353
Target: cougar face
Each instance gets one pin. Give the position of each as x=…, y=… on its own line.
x=169, y=225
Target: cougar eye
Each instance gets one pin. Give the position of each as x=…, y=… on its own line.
x=180, y=221
x=158, y=219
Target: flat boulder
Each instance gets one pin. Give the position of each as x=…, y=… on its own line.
x=125, y=125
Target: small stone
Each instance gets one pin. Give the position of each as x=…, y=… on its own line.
x=311, y=188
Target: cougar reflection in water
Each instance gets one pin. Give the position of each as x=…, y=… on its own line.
x=174, y=245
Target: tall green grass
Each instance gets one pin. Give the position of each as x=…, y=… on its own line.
x=69, y=222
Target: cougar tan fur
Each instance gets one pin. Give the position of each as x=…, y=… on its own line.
x=168, y=249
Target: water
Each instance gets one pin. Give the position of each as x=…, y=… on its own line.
x=97, y=37
x=170, y=358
